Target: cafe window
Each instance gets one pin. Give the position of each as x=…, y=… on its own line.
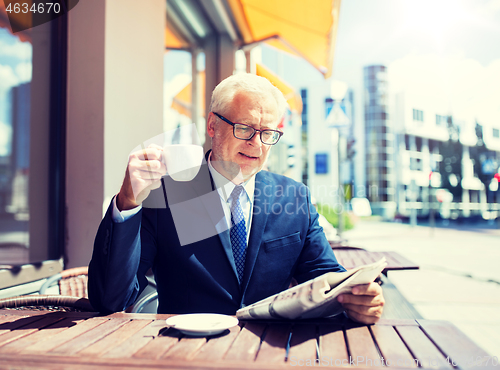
x=418, y=115
x=441, y=120
x=32, y=137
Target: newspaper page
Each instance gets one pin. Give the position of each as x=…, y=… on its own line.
x=314, y=298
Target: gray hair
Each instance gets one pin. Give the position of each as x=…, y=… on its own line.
x=224, y=92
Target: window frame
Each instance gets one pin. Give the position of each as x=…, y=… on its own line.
x=13, y=276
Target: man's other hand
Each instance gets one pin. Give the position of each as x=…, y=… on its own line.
x=144, y=172
x=364, y=304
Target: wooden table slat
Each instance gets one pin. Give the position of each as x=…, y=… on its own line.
x=6, y=319
x=45, y=334
x=86, y=339
x=26, y=330
x=137, y=341
x=332, y=347
x=351, y=258
x=64, y=340
x=217, y=347
x=16, y=322
x=273, y=347
x=247, y=343
x=159, y=345
x=123, y=333
x=422, y=347
x=185, y=349
x=64, y=336
x=461, y=350
x=303, y=344
x=394, y=352
x=362, y=349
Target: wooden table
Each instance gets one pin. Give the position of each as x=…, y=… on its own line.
x=353, y=257
x=55, y=340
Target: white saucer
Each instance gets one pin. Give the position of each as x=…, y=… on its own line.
x=202, y=324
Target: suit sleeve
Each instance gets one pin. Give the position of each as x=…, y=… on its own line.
x=123, y=253
x=317, y=256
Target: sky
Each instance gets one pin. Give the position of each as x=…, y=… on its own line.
x=449, y=49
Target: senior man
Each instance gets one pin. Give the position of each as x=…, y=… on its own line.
x=272, y=233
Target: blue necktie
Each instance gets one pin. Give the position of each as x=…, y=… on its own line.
x=238, y=233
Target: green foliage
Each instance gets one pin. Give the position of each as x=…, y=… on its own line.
x=332, y=215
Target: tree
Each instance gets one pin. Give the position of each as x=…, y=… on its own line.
x=484, y=165
x=450, y=167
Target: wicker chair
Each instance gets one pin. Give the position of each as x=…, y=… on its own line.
x=47, y=303
x=72, y=282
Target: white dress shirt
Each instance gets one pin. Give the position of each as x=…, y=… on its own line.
x=225, y=188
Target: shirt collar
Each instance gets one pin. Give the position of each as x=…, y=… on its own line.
x=226, y=187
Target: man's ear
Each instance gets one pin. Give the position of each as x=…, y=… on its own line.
x=211, y=124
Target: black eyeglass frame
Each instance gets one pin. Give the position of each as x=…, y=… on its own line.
x=254, y=130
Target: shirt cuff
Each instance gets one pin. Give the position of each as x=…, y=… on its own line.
x=124, y=215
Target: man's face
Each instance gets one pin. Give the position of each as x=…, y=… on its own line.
x=249, y=155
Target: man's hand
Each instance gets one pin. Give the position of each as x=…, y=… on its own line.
x=144, y=172
x=364, y=304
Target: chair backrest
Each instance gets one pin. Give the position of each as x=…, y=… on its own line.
x=147, y=302
x=141, y=304
x=72, y=282
x=47, y=302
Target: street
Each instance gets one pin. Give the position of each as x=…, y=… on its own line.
x=459, y=275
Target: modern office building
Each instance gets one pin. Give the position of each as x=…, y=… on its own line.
x=286, y=156
x=379, y=143
x=442, y=153
x=19, y=156
x=327, y=124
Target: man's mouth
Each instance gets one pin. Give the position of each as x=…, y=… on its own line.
x=248, y=156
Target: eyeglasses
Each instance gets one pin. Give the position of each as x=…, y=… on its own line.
x=245, y=132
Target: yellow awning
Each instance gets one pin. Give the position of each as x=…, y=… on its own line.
x=172, y=41
x=301, y=27
x=294, y=100
x=23, y=20
x=182, y=101
x=304, y=28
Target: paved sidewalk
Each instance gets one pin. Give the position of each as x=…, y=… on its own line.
x=459, y=276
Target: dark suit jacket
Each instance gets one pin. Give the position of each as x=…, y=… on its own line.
x=193, y=262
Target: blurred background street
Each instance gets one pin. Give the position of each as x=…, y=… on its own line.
x=458, y=279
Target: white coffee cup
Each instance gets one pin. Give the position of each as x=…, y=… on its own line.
x=183, y=161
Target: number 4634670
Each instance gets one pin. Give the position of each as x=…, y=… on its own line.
x=35, y=8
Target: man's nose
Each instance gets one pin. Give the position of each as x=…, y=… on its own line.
x=255, y=140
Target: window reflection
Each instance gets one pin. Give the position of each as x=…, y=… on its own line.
x=15, y=92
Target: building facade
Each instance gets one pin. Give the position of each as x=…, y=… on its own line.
x=379, y=143
x=445, y=162
x=327, y=129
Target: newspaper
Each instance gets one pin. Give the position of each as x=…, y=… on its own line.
x=314, y=298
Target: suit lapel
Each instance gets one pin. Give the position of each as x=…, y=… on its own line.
x=211, y=201
x=261, y=206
